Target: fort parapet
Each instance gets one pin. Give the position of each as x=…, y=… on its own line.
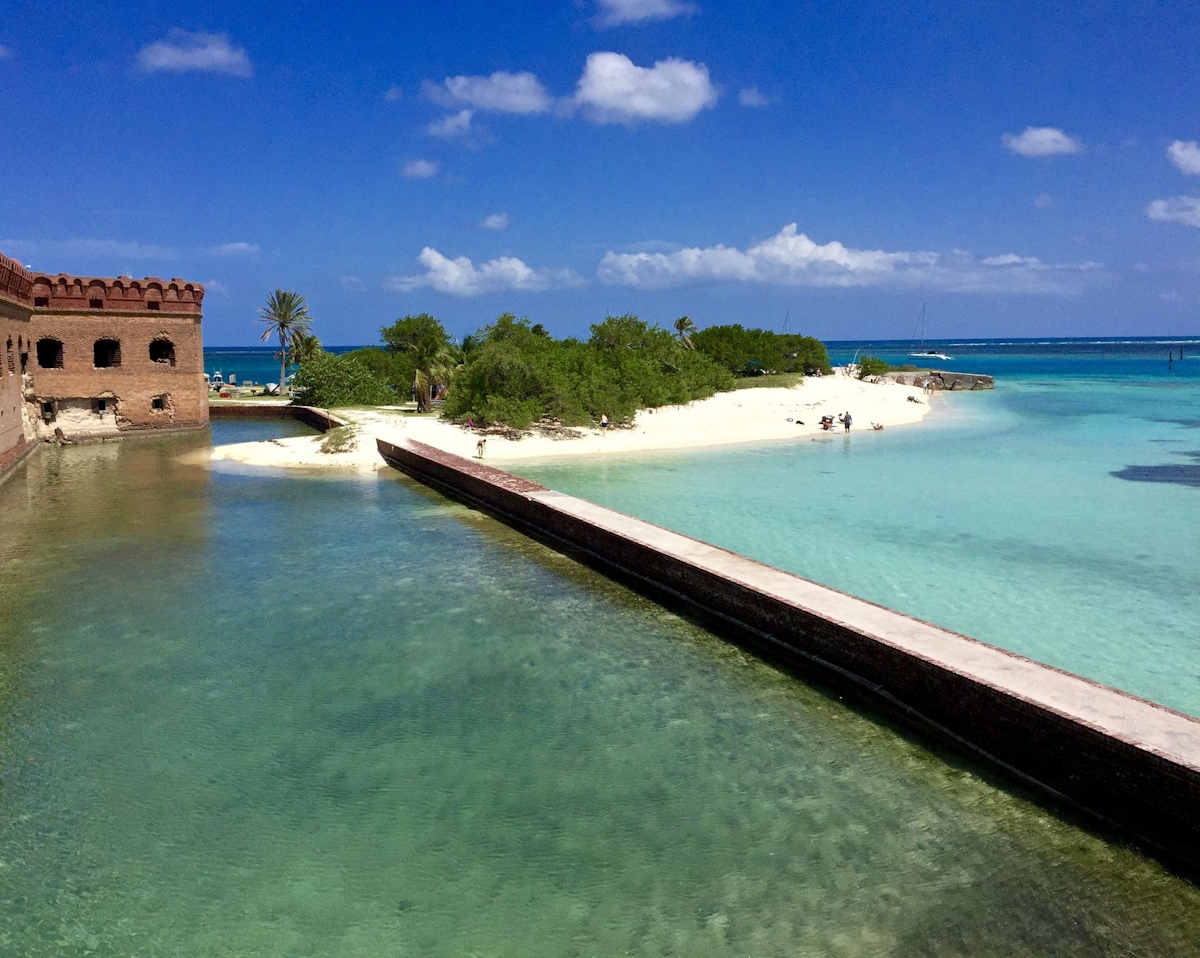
x=96, y=357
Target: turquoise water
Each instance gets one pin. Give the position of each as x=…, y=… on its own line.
x=1056, y=516
x=250, y=715
x=258, y=364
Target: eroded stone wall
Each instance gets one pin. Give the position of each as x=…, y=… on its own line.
x=15, y=431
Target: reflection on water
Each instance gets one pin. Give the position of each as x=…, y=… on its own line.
x=260, y=716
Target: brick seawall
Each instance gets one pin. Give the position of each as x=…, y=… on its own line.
x=1134, y=764
x=320, y=419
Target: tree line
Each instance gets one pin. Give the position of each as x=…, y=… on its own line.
x=513, y=372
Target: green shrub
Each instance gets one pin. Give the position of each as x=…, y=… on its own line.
x=328, y=380
x=872, y=366
x=755, y=351
x=394, y=368
x=519, y=374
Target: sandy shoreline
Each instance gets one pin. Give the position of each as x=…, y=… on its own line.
x=744, y=415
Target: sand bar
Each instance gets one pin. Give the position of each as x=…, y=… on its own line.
x=772, y=414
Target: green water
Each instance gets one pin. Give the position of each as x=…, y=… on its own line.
x=245, y=715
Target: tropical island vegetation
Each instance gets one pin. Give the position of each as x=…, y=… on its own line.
x=514, y=373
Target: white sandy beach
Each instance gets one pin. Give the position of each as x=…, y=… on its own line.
x=744, y=415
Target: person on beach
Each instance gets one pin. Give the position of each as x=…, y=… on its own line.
x=479, y=448
x=846, y=419
x=603, y=421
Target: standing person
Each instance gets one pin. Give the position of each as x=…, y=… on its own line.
x=479, y=448
x=603, y=421
x=847, y=420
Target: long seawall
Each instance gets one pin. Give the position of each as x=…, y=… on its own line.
x=1131, y=762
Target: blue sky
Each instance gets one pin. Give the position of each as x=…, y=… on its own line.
x=1024, y=168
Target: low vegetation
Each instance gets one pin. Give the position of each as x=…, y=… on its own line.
x=341, y=439
x=754, y=352
x=329, y=380
x=519, y=374
x=870, y=366
x=514, y=374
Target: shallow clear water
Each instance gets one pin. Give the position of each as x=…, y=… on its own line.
x=251, y=716
x=1057, y=516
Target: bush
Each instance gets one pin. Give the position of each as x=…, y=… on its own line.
x=328, y=380
x=394, y=368
x=872, y=366
x=519, y=374
x=752, y=352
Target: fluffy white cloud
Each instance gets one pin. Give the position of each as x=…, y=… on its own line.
x=1042, y=141
x=451, y=125
x=393, y=93
x=1184, y=210
x=461, y=277
x=502, y=92
x=216, y=286
x=790, y=258
x=420, y=169
x=235, y=249
x=612, y=13
x=615, y=90
x=497, y=221
x=184, y=52
x=751, y=97
x=1186, y=156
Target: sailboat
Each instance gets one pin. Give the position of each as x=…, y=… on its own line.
x=924, y=353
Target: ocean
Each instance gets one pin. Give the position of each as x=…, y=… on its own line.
x=1056, y=516
x=318, y=716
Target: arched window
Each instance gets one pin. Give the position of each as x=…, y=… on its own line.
x=162, y=351
x=50, y=353
x=106, y=353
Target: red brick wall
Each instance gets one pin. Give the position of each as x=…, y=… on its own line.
x=132, y=386
x=14, y=337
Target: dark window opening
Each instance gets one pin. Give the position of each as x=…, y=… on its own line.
x=162, y=351
x=154, y=304
x=50, y=353
x=158, y=403
x=41, y=301
x=99, y=406
x=12, y=360
x=48, y=412
x=106, y=353
x=95, y=304
x=24, y=362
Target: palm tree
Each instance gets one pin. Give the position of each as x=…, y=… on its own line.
x=435, y=365
x=685, y=327
x=286, y=316
x=305, y=347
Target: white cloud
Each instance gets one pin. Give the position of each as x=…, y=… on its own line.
x=1043, y=201
x=1042, y=141
x=751, y=97
x=420, y=169
x=1186, y=156
x=502, y=92
x=352, y=284
x=235, y=249
x=790, y=258
x=451, y=125
x=1184, y=210
x=497, y=221
x=612, y=13
x=393, y=93
x=614, y=90
x=184, y=52
x=216, y=286
x=461, y=277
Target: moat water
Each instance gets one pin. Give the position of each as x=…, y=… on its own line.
x=251, y=715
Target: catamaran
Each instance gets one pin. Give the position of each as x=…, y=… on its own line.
x=924, y=353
